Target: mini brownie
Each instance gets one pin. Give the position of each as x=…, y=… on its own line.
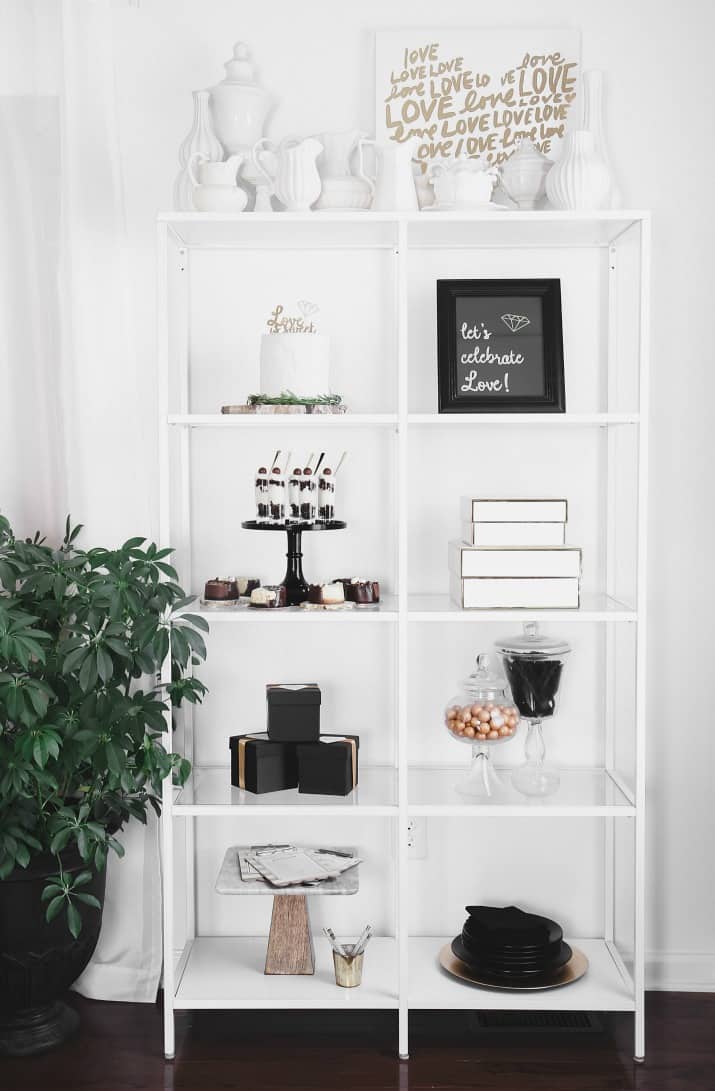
x=361, y=592
x=268, y=598
x=221, y=589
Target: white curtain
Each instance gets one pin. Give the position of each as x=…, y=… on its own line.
x=73, y=436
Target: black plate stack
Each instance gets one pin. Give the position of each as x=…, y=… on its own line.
x=509, y=946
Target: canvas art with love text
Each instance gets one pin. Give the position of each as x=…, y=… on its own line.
x=475, y=93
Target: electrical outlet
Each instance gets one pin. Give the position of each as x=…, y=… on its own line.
x=417, y=838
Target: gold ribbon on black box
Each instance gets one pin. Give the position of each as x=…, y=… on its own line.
x=242, y=758
x=353, y=753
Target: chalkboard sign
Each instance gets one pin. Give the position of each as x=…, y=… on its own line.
x=500, y=346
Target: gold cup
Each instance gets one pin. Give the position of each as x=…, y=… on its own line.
x=348, y=970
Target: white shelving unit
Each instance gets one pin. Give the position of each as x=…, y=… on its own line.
x=418, y=639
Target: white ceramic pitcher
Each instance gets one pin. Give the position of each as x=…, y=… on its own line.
x=290, y=170
x=342, y=187
x=215, y=188
x=395, y=184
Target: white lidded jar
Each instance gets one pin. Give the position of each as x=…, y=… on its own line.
x=239, y=107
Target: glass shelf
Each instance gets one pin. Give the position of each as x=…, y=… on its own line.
x=595, y=606
x=583, y=792
x=209, y=792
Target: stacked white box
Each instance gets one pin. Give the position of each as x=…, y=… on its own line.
x=513, y=555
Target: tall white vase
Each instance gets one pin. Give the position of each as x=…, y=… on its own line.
x=593, y=121
x=201, y=138
x=580, y=180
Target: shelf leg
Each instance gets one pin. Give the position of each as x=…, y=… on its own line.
x=290, y=943
x=294, y=581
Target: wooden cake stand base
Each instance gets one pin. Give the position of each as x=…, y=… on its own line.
x=290, y=941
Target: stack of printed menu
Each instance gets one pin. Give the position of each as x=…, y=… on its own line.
x=513, y=556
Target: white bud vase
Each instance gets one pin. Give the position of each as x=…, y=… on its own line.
x=580, y=180
x=201, y=139
x=593, y=122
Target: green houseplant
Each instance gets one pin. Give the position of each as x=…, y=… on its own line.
x=83, y=635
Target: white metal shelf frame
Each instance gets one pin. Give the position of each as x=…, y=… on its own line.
x=401, y=233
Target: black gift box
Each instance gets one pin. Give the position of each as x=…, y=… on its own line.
x=293, y=712
x=330, y=766
x=259, y=765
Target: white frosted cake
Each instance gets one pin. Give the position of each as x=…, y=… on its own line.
x=298, y=362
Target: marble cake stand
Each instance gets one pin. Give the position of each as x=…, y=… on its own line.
x=290, y=942
x=294, y=581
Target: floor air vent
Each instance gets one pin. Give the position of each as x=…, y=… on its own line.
x=536, y=1020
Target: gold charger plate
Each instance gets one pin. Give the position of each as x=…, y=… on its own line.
x=574, y=969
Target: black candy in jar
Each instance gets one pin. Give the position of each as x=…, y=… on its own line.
x=533, y=664
x=534, y=684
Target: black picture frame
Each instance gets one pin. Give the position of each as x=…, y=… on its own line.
x=545, y=346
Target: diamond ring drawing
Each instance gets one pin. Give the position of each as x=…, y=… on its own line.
x=515, y=322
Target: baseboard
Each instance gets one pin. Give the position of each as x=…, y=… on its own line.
x=680, y=971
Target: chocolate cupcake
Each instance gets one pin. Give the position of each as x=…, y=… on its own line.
x=221, y=589
x=268, y=598
x=361, y=592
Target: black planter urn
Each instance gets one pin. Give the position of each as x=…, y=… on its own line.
x=40, y=961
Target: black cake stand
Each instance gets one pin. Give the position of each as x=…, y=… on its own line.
x=294, y=581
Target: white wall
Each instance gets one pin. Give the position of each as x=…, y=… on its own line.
x=316, y=56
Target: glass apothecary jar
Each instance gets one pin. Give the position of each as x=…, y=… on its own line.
x=533, y=663
x=482, y=716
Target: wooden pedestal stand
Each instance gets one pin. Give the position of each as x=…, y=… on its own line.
x=290, y=942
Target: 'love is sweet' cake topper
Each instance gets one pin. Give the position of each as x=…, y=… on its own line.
x=279, y=322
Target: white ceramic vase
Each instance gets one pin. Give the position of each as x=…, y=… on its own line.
x=200, y=140
x=593, y=122
x=580, y=180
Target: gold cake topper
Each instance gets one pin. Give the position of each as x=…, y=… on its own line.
x=279, y=322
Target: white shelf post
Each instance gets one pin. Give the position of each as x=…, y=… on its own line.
x=641, y=647
x=402, y=642
x=167, y=826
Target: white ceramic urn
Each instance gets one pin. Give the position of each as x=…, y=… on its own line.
x=523, y=175
x=580, y=180
x=238, y=105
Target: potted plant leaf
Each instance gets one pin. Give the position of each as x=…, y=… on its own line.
x=83, y=635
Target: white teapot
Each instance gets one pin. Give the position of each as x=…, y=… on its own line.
x=215, y=188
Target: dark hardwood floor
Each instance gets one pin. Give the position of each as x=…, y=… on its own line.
x=119, y=1048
